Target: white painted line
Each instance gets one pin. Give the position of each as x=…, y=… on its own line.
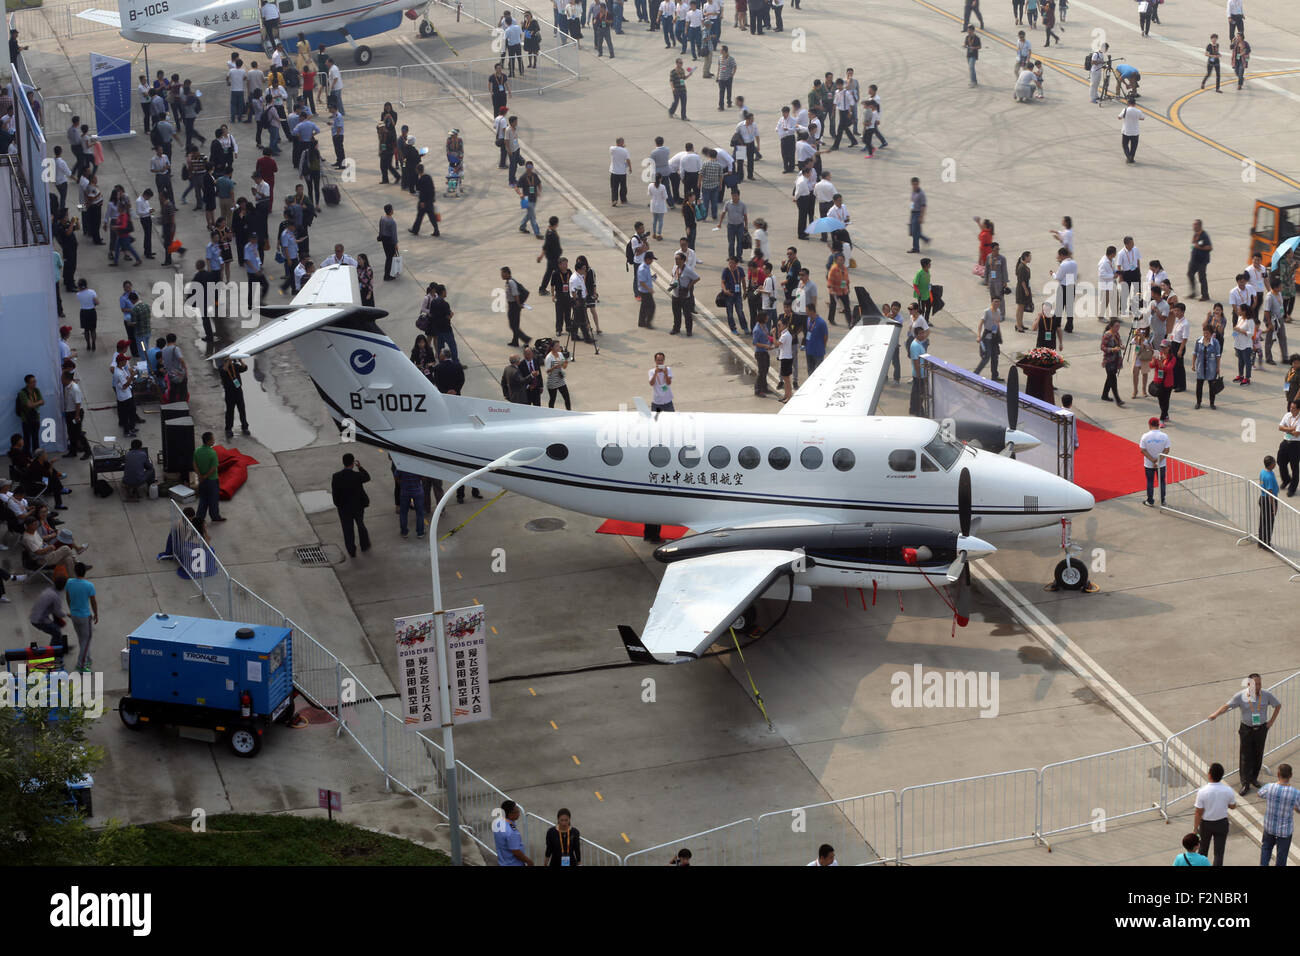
x=1129, y=709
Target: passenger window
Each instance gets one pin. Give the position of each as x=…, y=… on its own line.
x=689, y=456
x=748, y=457
x=928, y=465
x=557, y=451
x=660, y=456
x=611, y=455
x=811, y=457
x=843, y=459
x=904, y=459
x=304, y=4
x=779, y=459
x=286, y=6
x=719, y=457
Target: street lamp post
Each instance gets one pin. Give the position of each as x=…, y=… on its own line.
x=520, y=456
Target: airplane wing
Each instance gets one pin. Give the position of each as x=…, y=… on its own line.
x=157, y=30
x=697, y=601
x=850, y=380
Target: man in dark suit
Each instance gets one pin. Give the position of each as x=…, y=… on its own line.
x=346, y=488
x=513, y=387
x=531, y=371
x=448, y=374
x=425, y=191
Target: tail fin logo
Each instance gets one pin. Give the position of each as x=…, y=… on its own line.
x=363, y=361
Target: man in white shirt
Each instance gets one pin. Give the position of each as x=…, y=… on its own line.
x=1242, y=301
x=335, y=83
x=1067, y=274
x=270, y=24
x=620, y=161
x=1236, y=19
x=804, y=199
x=1155, y=446
x=1213, y=801
x=845, y=104
x=1129, y=265
x=1098, y=63
x=661, y=385
x=805, y=153
x=1106, y=300
x=690, y=163
x=74, y=415
x=1255, y=273
x=123, y=378
x=339, y=258
x=144, y=213
x=235, y=78
x=161, y=167
x=684, y=249
x=1130, y=118
x=825, y=856
x=785, y=131
x=62, y=173
x=748, y=130
x=825, y=191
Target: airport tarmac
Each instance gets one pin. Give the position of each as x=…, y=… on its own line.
x=638, y=772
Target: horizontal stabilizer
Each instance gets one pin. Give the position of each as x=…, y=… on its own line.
x=330, y=296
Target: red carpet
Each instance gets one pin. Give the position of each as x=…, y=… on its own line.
x=634, y=530
x=1107, y=465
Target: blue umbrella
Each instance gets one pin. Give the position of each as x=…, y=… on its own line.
x=1282, y=249
x=825, y=224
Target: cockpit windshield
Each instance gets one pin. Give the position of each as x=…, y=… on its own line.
x=944, y=452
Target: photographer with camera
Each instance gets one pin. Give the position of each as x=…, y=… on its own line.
x=661, y=382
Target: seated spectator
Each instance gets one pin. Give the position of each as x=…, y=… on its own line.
x=43, y=555
x=46, y=526
x=17, y=509
x=139, y=470
x=41, y=474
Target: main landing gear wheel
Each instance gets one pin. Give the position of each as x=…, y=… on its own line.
x=1071, y=575
x=426, y=29
x=244, y=741
x=363, y=56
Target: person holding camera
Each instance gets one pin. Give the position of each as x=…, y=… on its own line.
x=351, y=500
x=661, y=382
x=556, y=382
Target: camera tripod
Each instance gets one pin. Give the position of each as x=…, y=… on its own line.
x=1111, y=78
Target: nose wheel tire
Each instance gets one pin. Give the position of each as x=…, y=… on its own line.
x=363, y=56
x=244, y=742
x=426, y=29
x=745, y=621
x=1071, y=575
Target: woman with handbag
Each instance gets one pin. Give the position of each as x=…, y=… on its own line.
x=422, y=356
x=1162, y=381
x=1112, y=360
x=1205, y=362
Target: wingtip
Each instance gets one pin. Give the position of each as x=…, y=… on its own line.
x=636, y=650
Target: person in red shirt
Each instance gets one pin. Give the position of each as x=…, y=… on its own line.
x=754, y=285
x=986, y=244
x=267, y=167
x=837, y=288
x=1163, y=365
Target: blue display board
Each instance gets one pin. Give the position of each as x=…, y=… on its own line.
x=110, y=80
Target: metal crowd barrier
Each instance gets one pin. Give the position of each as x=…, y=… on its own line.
x=863, y=831
x=1095, y=790
x=1214, y=497
x=729, y=845
x=971, y=812
x=53, y=21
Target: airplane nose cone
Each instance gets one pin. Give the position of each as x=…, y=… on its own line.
x=974, y=547
x=1079, y=499
x=1022, y=440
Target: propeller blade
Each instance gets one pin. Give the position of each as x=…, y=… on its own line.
x=957, y=567
x=1013, y=397
x=963, y=501
x=963, y=599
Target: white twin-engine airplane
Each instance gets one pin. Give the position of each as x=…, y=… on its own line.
x=238, y=23
x=824, y=493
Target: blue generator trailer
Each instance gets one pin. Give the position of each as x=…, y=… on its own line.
x=230, y=678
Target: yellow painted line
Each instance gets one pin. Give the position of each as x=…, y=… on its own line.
x=494, y=630
x=1172, y=120
x=599, y=797
x=553, y=727
x=533, y=692
x=576, y=760
x=625, y=839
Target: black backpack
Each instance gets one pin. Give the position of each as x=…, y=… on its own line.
x=628, y=254
x=291, y=77
x=1087, y=63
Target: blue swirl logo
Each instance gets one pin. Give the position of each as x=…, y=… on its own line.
x=363, y=361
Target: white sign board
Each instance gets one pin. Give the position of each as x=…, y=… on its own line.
x=417, y=671
x=467, y=645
